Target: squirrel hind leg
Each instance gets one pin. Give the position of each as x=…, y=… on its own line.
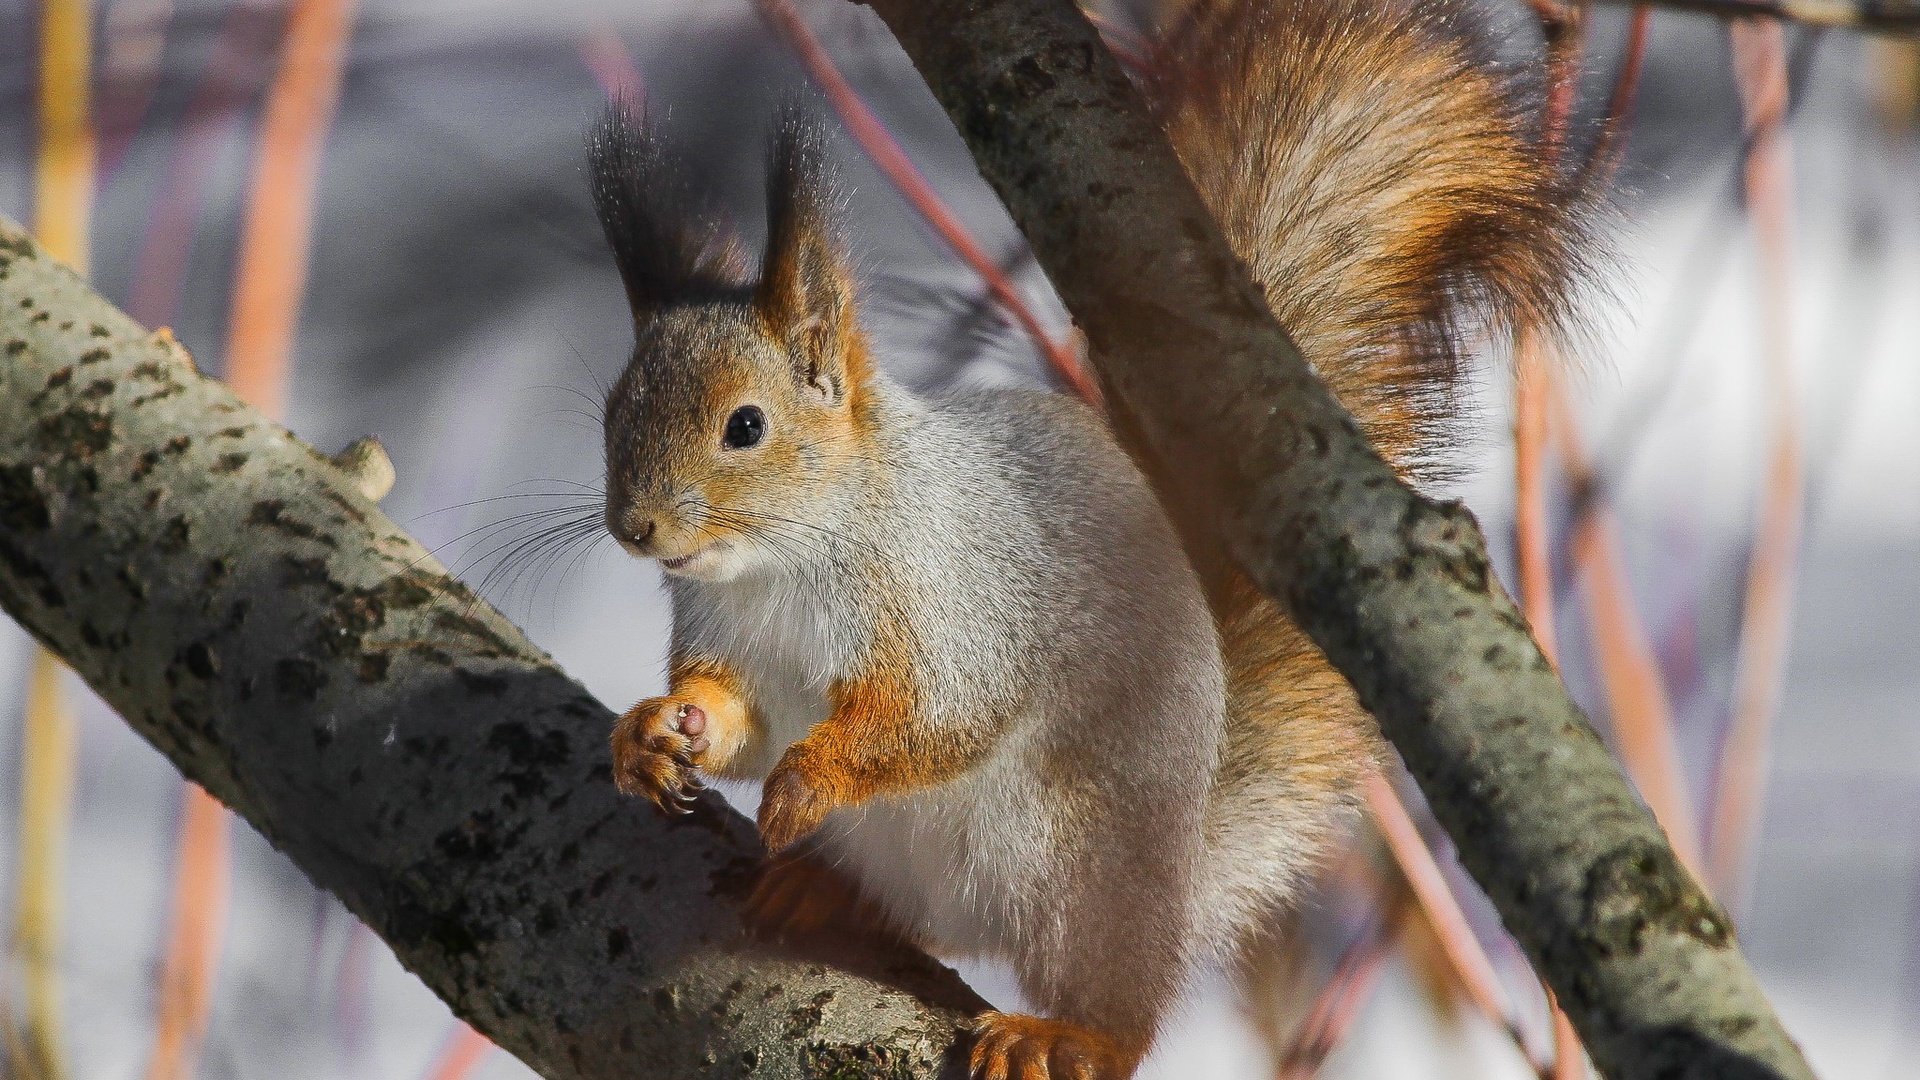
x=1014, y=1046
x=801, y=896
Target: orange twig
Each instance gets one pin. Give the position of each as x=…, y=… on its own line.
x=892, y=161
x=463, y=1053
x=611, y=63
x=1569, y=1061
x=1636, y=695
x=1436, y=900
x=228, y=77
x=1619, y=119
x=64, y=166
x=1760, y=70
x=271, y=276
x=276, y=233
x=1346, y=992
x=1530, y=517
x=47, y=767
x=201, y=884
x=1533, y=372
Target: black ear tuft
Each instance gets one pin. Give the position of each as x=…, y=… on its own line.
x=665, y=247
x=805, y=291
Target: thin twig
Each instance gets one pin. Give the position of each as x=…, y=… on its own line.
x=887, y=155
x=612, y=65
x=1347, y=990
x=1437, y=901
x=202, y=882
x=276, y=234
x=1604, y=159
x=1630, y=675
x=47, y=766
x=463, y=1053
x=1872, y=16
x=1760, y=71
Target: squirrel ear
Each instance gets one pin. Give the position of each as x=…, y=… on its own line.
x=805, y=292
x=666, y=249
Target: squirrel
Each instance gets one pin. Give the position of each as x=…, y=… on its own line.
x=994, y=704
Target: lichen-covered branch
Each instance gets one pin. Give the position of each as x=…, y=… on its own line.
x=238, y=598
x=1395, y=588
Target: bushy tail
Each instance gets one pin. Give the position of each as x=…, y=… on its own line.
x=1380, y=181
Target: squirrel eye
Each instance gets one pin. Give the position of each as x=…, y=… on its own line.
x=747, y=426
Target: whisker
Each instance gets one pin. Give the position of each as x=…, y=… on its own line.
x=502, y=498
x=599, y=404
x=534, y=553
x=516, y=543
x=577, y=513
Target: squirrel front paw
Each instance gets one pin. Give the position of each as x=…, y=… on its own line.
x=797, y=796
x=656, y=747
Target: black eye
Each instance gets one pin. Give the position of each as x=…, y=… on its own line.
x=747, y=426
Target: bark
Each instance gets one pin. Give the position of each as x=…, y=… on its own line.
x=238, y=598
x=1394, y=587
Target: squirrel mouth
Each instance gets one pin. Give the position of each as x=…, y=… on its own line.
x=681, y=562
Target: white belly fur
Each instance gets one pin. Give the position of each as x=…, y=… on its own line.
x=949, y=863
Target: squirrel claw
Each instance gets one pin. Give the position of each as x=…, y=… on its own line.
x=653, y=758
x=792, y=806
x=1008, y=1046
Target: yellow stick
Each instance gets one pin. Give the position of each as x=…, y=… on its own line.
x=46, y=795
x=64, y=181
x=63, y=193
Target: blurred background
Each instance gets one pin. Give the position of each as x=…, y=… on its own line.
x=371, y=218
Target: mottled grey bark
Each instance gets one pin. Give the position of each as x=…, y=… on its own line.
x=237, y=597
x=1394, y=587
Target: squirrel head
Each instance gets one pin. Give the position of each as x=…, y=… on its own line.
x=744, y=408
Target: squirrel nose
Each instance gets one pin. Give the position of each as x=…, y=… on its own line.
x=644, y=533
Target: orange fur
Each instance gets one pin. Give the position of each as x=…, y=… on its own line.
x=1013, y=1046
x=801, y=896
x=716, y=689
x=872, y=742
x=1378, y=181
x=653, y=758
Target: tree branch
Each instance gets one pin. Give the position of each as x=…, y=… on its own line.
x=237, y=597
x=1395, y=588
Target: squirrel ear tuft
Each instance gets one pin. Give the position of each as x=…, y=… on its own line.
x=666, y=249
x=805, y=292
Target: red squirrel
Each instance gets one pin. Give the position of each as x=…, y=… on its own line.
x=992, y=702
